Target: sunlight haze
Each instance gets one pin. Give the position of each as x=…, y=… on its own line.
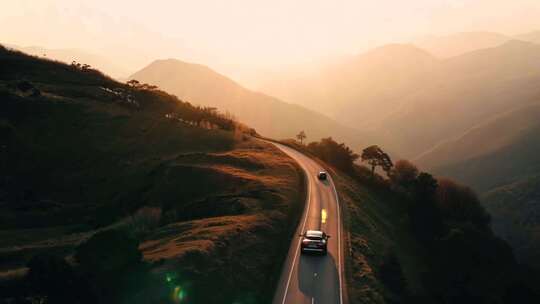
x=242, y=35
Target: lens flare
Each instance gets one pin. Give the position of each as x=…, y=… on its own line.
x=178, y=294
x=323, y=216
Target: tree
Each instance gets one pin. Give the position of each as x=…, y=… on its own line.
x=375, y=156
x=404, y=173
x=301, y=136
x=461, y=204
x=134, y=83
x=330, y=151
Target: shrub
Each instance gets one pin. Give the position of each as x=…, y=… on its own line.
x=460, y=203
x=338, y=155
x=403, y=174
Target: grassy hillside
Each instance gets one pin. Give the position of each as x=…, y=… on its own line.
x=70, y=55
x=83, y=154
x=270, y=116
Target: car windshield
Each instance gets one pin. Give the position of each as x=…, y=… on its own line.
x=315, y=238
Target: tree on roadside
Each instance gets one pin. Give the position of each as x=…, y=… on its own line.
x=403, y=174
x=336, y=154
x=375, y=156
x=301, y=136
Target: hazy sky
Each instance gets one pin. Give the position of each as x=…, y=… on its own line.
x=259, y=33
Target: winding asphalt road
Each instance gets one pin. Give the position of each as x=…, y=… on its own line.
x=306, y=278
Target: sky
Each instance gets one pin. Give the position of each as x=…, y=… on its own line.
x=254, y=33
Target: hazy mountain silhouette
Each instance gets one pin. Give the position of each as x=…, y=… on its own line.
x=460, y=43
x=500, y=151
x=268, y=115
x=462, y=92
x=533, y=36
x=501, y=159
x=411, y=101
x=363, y=89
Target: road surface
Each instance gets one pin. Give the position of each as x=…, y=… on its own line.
x=313, y=279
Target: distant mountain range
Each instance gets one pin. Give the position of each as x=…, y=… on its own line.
x=461, y=43
x=268, y=115
x=501, y=159
x=412, y=101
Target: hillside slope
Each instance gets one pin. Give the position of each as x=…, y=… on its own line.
x=363, y=89
x=269, y=116
x=501, y=159
x=83, y=154
x=497, y=152
x=411, y=101
x=69, y=55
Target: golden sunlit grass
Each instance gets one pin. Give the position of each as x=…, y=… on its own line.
x=175, y=240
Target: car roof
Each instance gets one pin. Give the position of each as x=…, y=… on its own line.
x=314, y=233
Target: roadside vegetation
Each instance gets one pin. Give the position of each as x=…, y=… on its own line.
x=117, y=193
x=416, y=238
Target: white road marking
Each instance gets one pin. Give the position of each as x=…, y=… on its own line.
x=303, y=228
x=339, y=241
x=298, y=247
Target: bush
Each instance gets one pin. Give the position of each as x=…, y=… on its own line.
x=403, y=174
x=338, y=155
x=459, y=203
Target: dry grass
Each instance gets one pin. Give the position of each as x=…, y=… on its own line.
x=377, y=226
x=175, y=240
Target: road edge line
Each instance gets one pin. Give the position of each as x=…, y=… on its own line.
x=339, y=241
x=306, y=213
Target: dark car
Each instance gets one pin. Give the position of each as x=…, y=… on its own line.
x=322, y=175
x=314, y=241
